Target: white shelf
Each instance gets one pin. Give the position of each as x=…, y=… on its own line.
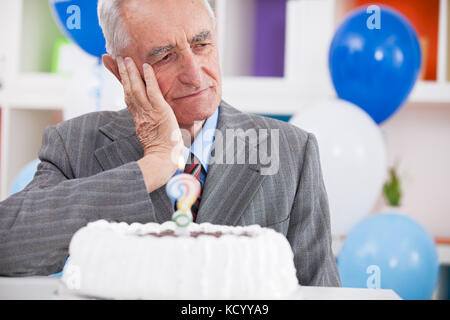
x=258, y=95
x=283, y=96
x=261, y=95
x=36, y=91
x=444, y=254
x=430, y=91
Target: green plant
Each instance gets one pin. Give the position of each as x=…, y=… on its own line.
x=392, y=188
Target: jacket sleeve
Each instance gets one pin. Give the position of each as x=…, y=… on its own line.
x=309, y=230
x=37, y=224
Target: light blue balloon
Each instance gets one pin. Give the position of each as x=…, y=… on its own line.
x=24, y=177
x=60, y=274
x=392, y=251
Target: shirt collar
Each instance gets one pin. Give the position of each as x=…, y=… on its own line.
x=202, y=145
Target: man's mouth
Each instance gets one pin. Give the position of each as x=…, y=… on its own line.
x=193, y=95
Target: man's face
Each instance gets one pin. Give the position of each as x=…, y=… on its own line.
x=179, y=40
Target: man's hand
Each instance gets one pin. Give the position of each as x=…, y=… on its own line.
x=156, y=125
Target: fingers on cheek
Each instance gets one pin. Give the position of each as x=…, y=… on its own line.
x=150, y=80
x=123, y=73
x=128, y=82
x=139, y=95
x=126, y=87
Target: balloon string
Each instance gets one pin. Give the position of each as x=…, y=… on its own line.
x=99, y=89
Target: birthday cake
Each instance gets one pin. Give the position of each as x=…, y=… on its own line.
x=163, y=261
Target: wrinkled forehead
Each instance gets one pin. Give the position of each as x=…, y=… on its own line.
x=154, y=23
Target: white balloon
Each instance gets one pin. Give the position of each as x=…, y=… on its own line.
x=353, y=159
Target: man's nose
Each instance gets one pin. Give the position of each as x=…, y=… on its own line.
x=190, y=70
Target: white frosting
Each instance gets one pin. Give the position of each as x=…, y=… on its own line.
x=121, y=261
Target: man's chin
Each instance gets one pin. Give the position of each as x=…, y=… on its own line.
x=190, y=113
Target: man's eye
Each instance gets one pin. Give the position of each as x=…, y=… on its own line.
x=166, y=58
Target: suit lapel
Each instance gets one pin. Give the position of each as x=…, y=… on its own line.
x=229, y=188
x=119, y=152
x=125, y=146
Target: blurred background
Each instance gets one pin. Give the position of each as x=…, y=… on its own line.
x=377, y=78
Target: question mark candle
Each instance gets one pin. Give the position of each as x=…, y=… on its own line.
x=185, y=189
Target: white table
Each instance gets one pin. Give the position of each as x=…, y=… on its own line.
x=44, y=288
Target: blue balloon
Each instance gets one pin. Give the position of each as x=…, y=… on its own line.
x=78, y=20
x=390, y=251
x=24, y=177
x=375, y=69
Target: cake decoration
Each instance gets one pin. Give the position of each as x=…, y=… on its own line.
x=185, y=189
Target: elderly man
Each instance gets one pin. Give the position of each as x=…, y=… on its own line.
x=115, y=165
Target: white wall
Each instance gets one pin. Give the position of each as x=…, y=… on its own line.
x=418, y=139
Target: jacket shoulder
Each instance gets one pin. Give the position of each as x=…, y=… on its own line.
x=88, y=124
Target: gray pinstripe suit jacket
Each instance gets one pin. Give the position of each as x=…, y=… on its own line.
x=88, y=171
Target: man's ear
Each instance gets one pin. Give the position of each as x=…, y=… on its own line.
x=111, y=65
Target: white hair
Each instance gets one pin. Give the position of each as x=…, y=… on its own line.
x=114, y=29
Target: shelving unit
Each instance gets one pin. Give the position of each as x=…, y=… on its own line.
x=31, y=97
